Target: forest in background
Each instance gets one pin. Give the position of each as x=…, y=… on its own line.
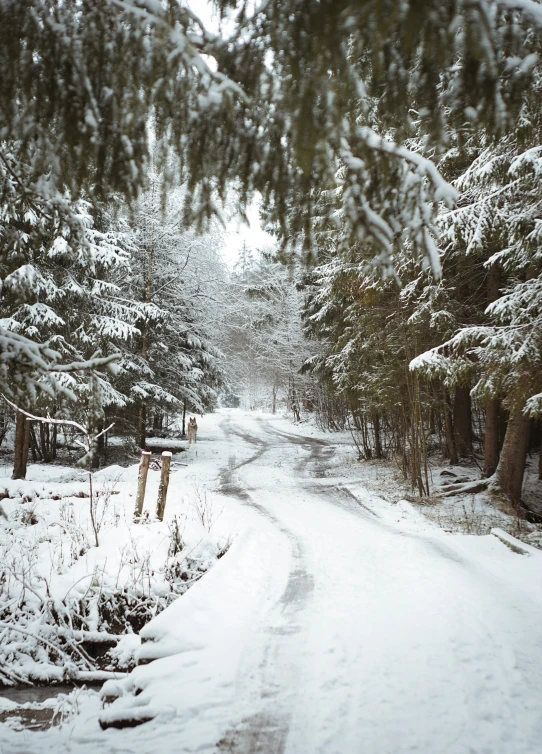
x=394, y=150
x=397, y=153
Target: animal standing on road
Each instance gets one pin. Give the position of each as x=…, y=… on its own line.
x=192, y=430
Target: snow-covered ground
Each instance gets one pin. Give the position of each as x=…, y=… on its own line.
x=63, y=595
x=338, y=622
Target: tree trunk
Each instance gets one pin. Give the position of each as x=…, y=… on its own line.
x=142, y=416
x=432, y=421
x=492, y=435
x=45, y=440
x=503, y=423
x=18, y=447
x=142, y=482
x=449, y=429
x=378, y=442
x=26, y=446
x=491, y=439
x=34, y=447
x=3, y=426
x=183, y=433
x=142, y=426
x=367, y=450
x=511, y=467
x=22, y=441
x=493, y=283
x=164, y=484
x=99, y=449
x=463, y=421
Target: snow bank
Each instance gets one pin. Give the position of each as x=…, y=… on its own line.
x=196, y=643
x=166, y=443
x=61, y=590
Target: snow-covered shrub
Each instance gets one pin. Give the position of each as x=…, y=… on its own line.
x=65, y=603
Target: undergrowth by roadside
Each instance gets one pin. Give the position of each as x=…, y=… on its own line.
x=70, y=610
x=466, y=513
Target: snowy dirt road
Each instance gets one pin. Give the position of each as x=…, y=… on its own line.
x=385, y=639
x=337, y=624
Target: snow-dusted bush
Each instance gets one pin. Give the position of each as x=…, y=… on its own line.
x=65, y=603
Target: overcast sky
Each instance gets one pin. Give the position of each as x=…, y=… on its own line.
x=253, y=235
x=237, y=232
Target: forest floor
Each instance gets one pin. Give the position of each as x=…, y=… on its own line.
x=341, y=620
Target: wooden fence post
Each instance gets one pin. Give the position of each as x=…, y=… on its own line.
x=164, y=483
x=142, y=482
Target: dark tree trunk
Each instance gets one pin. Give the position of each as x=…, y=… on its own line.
x=22, y=443
x=99, y=450
x=34, y=447
x=183, y=432
x=491, y=441
x=463, y=421
x=142, y=426
x=365, y=439
x=493, y=283
x=378, y=442
x=511, y=467
x=449, y=429
x=492, y=436
x=432, y=422
x=503, y=423
x=3, y=426
x=45, y=440
x=26, y=446
x=18, y=448
x=535, y=439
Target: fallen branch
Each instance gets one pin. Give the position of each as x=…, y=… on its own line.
x=511, y=542
x=15, y=678
x=37, y=638
x=479, y=485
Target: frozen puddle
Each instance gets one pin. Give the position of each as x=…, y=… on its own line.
x=34, y=707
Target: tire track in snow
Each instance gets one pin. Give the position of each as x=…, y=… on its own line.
x=267, y=730
x=317, y=465
x=319, y=451
x=276, y=678
x=339, y=494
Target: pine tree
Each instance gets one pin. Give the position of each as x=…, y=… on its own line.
x=263, y=340
x=52, y=266
x=172, y=360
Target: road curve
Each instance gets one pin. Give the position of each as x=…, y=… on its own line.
x=384, y=640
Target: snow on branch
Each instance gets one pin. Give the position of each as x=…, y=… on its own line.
x=24, y=364
x=184, y=44
x=432, y=364
x=409, y=212
x=533, y=407
x=444, y=191
x=16, y=348
x=59, y=422
x=529, y=8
